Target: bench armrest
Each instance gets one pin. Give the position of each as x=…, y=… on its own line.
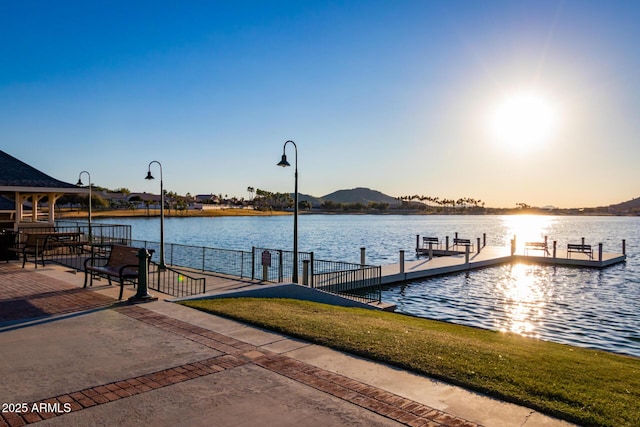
x=124, y=267
x=93, y=259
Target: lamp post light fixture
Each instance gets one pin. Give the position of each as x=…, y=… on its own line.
x=285, y=163
x=80, y=183
x=161, y=264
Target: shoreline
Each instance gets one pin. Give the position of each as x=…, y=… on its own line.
x=226, y=212
x=154, y=213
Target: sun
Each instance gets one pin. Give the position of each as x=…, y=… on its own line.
x=523, y=121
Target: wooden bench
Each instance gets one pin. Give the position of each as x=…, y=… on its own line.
x=536, y=246
x=122, y=263
x=579, y=248
x=434, y=241
x=35, y=244
x=463, y=242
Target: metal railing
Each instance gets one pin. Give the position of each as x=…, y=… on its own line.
x=70, y=243
x=276, y=265
x=360, y=282
x=173, y=282
x=205, y=259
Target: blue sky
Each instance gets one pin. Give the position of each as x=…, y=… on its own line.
x=390, y=95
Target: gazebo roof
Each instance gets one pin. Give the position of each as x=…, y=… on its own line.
x=16, y=175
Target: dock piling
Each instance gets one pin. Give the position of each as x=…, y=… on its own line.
x=600, y=252
x=430, y=250
x=401, y=261
x=466, y=254
x=484, y=239
x=624, y=247
x=362, y=254
x=478, y=245
x=555, y=248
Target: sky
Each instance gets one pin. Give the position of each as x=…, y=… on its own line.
x=534, y=102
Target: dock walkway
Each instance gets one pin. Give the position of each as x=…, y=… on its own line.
x=489, y=256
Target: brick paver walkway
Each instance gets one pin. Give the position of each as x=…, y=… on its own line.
x=35, y=295
x=28, y=295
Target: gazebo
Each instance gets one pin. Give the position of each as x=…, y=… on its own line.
x=23, y=192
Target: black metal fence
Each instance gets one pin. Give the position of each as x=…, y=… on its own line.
x=71, y=243
x=173, y=282
x=361, y=282
x=276, y=265
x=224, y=261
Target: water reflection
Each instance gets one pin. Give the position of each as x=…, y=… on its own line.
x=527, y=228
x=522, y=297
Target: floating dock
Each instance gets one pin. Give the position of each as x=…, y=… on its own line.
x=450, y=262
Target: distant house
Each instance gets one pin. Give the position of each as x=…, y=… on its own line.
x=207, y=198
x=26, y=192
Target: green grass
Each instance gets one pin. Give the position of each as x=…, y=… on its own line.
x=584, y=386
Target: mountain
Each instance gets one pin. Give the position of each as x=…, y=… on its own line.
x=629, y=205
x=315, y=201
x=361, y=195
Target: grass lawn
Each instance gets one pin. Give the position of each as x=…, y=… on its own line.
x=584, y=386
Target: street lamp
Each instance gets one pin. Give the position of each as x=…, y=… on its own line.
x=161, y=264
x=80, y=183
x=285, y=163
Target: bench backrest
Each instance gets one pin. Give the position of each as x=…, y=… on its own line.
x=579, y=247
x=430, y=239
x=536, y=244
x=462, y=241
x=35, y=241
x=123, y=255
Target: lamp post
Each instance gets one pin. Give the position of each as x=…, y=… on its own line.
x=161, y=264
x=285, y=163
x=80, y=183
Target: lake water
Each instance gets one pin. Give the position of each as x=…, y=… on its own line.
x=585, y=307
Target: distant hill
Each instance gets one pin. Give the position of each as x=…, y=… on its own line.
x=315, y=201
x=361, y=195
x=629, y=205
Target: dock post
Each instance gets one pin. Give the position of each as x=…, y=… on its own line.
x=305, y=272
x=484, y=239
x=401, y=261
x=362, y=256
x=446, y=247
x=583, y=240
x=417, y=243
x=430, y=250
x=466, y=254
x=513, y=245
x=555, y=247
x=253, y=262
x=600, y=252
x=624, y=247
x=478, y=245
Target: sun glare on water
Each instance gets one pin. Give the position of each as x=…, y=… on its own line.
x=523, y=121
